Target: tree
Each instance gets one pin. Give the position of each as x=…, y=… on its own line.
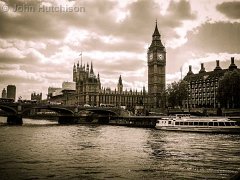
x=229, y=90
x=176, y=93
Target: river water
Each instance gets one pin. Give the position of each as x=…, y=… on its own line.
x=43, y=149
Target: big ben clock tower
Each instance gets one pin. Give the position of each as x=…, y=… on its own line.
x=156, y=71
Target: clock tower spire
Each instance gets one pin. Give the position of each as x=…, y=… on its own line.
x=156, y=71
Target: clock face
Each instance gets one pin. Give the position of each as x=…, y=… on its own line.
x=160, y=56
x=150, y=56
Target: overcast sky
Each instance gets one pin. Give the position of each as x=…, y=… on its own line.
x=38, y=49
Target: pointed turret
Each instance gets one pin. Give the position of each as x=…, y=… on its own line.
x=120, y=80
x=120, y=85
x=99, y=82
x=156, y=40
x=156, y=32
x=74, y=73
x=87, y=70
x=91, y=69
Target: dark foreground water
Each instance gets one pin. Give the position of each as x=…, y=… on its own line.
x=45, y=150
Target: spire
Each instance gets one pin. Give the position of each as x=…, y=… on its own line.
x=120, y=80
x=156, y=32
x=156, y=39
x=91, y=69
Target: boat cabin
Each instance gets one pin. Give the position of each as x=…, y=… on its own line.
x=185, y=120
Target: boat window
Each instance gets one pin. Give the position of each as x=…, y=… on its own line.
x=200, y=123
x=221, y=123
x=210, y=123
x=181, y=123
x=215, y=124
x=233, y=124
x=169, y=122
x=195, y=123
x=227, y=124
x=176, y=123
x=191, y=123
x=205, y=123
x=185, y=123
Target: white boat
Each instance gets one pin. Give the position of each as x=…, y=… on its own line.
x=184, y=122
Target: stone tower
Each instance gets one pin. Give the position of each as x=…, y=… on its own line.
x=156, y=71
x=120, y=85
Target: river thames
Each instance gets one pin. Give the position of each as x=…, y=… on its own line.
x=43, y=149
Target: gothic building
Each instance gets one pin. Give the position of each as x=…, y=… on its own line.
x=156, y=71
x=203, y=86
x=90, y=92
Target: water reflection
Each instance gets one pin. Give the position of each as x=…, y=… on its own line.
x=194, y=155
x=42, y=149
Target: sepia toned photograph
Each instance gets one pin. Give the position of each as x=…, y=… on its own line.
x=119, y=89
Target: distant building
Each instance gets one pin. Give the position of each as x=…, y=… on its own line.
x=203, y=86
x=4, y=93
x=11, y=92
x=90, y=92
x=53, y=91
x=37, y=97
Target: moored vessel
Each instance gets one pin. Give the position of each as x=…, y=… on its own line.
x=184, y=122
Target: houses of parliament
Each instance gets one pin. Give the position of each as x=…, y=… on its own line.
x=88, y=89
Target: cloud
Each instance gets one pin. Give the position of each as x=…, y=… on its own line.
x=208, y=38
x=215, y=37
x=230, y=9
x=28, y=23
x=114, y=35
x=181, y=10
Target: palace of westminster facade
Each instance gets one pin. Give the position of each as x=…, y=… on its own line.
x=202, y=86
x=89, y=90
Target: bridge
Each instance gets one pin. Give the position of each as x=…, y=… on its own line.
x=65, y=114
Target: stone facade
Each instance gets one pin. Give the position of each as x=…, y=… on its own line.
x=203, y=86
x=156, y=71
x=90, y=92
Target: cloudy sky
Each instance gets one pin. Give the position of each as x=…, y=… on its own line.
x=39, y=45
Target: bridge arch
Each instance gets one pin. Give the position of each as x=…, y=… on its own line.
x=103, y=112
x=8, y=109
